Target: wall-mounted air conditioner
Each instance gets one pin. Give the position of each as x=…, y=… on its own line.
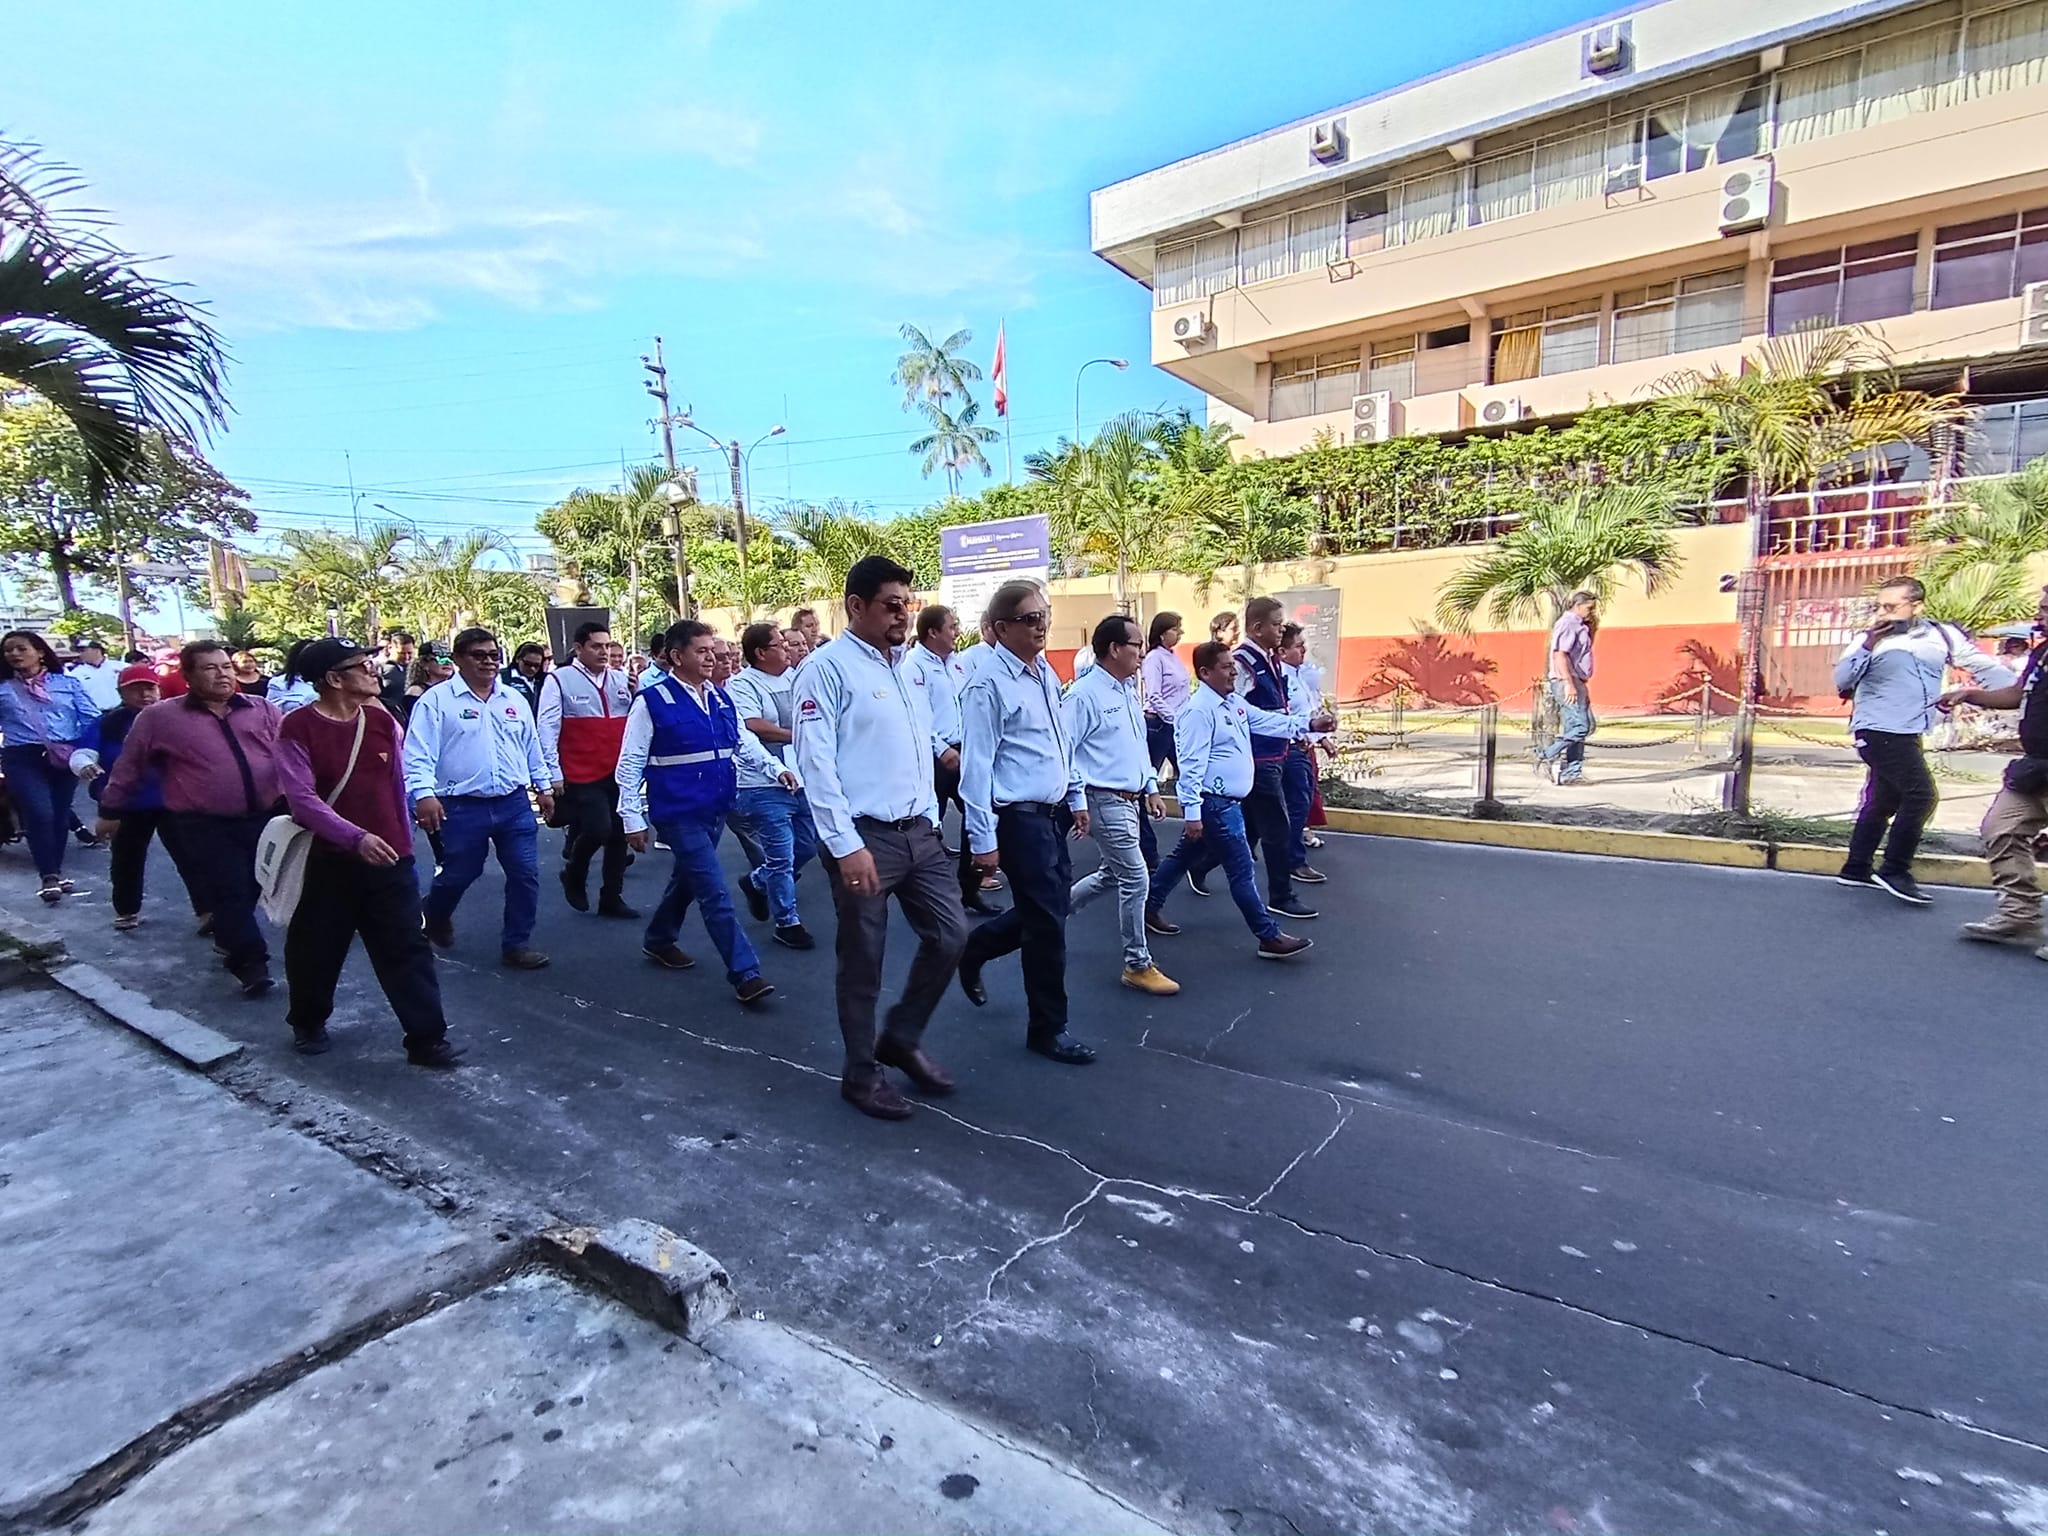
x=2034, y=316
x=1493, y=407
x=1192, y=327
x=1327, y=144
x=1746, y=190
x=1372, y=417
x=1605, y=50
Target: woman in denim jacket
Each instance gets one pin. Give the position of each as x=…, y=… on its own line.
x=48, y=725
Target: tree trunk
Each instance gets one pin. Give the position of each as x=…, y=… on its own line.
x=60, y=573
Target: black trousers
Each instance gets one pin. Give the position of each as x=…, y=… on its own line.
x=343, y=898
x=219, y=854
x=1033, y=845
x=128, y=858
x=1899, y=792
x=1266, y=829
x=591, y=813
x=947, y=782
x=910, y=863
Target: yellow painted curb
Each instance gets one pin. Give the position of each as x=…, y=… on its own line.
x=1934, y=868
x=1549, y=837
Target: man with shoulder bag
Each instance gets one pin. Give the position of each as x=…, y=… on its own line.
x=340, y=765
x=2020, y=812
x=1894, y=676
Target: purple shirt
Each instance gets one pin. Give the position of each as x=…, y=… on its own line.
x=1572, y=635
x=312, y=757
x=209, y=765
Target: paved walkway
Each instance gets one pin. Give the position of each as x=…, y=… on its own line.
x=209, y=1320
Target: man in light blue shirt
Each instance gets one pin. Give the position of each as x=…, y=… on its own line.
x=778, y=817
x=1017, y=776
x=1213, y=744
x=471, y=757
x=1895, y=672
x=1105, y=721
x=945, y=678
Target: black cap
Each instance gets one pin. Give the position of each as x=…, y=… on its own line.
x=321, y=657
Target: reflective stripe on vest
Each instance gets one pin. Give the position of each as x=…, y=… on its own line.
x=681, y=759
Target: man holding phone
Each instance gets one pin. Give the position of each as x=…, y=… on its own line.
x=1894, y=674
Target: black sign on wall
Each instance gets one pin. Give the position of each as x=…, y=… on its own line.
x=563, y=624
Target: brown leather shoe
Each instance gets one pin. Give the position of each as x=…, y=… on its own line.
x=927, y=1074
x=877, y=1096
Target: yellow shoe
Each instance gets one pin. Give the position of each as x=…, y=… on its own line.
x=1151, y=979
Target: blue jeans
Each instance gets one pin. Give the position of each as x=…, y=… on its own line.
x=780, y=821
x=1298, y=786
x=472, y=825
x=42, y=793
x=1574, y=724
x=1222, y=843
x=697, y=877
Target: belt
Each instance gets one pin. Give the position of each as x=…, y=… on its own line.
x=1121, y=794
x=1032, y=807
x=901, y=824
x=683, y=759
x=492, y=794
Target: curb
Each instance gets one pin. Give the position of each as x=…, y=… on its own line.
x=187, y=1039
x=1622, y=843
x=650, y=1270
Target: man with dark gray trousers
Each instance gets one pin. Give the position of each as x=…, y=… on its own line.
x=863, y=729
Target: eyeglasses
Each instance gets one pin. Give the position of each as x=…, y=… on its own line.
x=361, y=664
x=481, y=655
x=1035, y=620
x=893, y=604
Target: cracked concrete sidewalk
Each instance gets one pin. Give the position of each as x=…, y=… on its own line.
x=223, y=1325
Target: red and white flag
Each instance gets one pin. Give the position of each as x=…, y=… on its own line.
x=999, y=372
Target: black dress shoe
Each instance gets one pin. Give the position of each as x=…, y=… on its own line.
x=668, y=956
x=1293, y=907
x=522, y=959
x=613, y=907
x=753, y=989
x=795, y=936
x=311, y=1042
x=756, y=898
x=573, y=889
x=437, y=1054
x=878, y=1097
x=440, y=931
x=1062, y=1047
x=970, y=983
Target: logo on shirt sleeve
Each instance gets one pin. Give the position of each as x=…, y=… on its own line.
x=809, y=710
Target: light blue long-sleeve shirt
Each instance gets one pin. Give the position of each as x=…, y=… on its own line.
x=1013, y=747
x=460, y=744
x=863, y=740
x=1105, y=722
x=1897, y=680
x=1212, y=742
x=944, y=677
x=68, y=718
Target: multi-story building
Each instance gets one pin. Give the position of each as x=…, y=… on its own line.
x=1666, y=188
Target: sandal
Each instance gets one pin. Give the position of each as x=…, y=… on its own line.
x=52, y=891
x=127, y=922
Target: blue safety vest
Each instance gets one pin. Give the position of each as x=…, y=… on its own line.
x=690, y=768
x=1268, y=691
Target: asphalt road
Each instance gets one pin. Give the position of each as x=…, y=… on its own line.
x=1544, y=1194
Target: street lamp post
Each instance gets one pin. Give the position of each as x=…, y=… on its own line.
x=736, y=464
x=1118, y=363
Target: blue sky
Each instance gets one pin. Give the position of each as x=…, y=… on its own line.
x=439, y=235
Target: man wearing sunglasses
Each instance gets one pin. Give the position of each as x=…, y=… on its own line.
x=471, y=757
x=1023, y=796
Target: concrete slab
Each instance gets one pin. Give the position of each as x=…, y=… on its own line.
x=184, y=1037
x=536, y=1407
x=161, y=1242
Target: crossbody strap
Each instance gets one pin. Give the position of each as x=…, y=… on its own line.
x=355, y=751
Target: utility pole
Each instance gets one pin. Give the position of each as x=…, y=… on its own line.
x=658, y=387
x=739, y=515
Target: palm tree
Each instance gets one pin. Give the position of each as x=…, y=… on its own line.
x=1106, y=496
x=1585, y=541
x=1978, y=574
x=358, y=577
x=934, y=372
x=1817, y=401
x=1250, y=528
x=117, y=352
x=830, y=539
x=447, y=587
x=954, y=442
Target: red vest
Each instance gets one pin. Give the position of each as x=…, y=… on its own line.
x=593, y=723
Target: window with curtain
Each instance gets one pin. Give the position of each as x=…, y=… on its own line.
x=1517, y=346
x=1432, y=206
x=2005, y=50
x=1262, y=250
x=1658, y=319
x=1905, y=75
x=1818, y=100
x=1571, y=336
x=1664, y=140
x=2005, y=438
x=1313, y=384
x=1989, y=259
x=1314, y=236
x=1871, y=281
x=1365, y=223
x=1504, y=187
x=1571, y=170
x=1391, y=366
x=1708, y=115
x=1215, y=263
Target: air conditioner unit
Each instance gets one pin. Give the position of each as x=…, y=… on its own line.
x=1746, y=188
x=1372, y=417
x=2034, y=316
x=1191, y=327
x=1606, y=50
x=1496, y=410
x=1326, y=145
